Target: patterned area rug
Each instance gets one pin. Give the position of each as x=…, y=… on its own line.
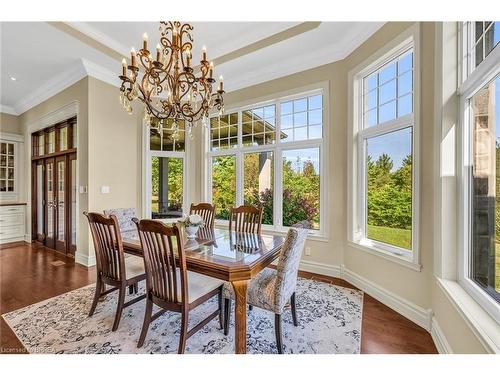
x=329, y=322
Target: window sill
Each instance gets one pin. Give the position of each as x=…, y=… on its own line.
x=320, y=237
x=402, y=259
x=484, y=327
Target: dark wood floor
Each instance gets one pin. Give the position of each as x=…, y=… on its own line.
x=32, y=273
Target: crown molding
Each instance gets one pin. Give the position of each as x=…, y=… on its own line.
x=8, y=109
x=299, y=63
x=81, y=69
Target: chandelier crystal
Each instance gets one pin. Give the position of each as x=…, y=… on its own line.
x=167, y=84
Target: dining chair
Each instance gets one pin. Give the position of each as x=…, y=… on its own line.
x=246, y=219
x=112, y=267
x=271, y=289
x=206, y=211
x=169, y=284
x=124, y=217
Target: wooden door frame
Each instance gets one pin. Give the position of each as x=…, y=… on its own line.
x=71, y=246
x=34, y=202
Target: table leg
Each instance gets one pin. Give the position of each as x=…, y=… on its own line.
x=240, y=314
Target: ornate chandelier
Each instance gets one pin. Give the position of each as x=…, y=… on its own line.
x=167, y=84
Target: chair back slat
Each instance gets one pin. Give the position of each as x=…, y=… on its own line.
x=110, y=260
x=246, y=219
x=206, y=211
x=164, y=261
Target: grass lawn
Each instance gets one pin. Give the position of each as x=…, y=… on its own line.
x=497, y=269
x=392, y=236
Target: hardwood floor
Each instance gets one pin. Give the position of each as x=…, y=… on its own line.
x=32, y=273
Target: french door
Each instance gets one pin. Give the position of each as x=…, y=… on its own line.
x=54, y=202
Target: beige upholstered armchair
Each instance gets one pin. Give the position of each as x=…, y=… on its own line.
x=271, y=289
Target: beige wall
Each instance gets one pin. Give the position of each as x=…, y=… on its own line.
x=78, y=92
x=10, y=124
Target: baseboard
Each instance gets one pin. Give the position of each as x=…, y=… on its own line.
x=84, y=259
x=408, y=309
x=439, y=338
x=320, y=268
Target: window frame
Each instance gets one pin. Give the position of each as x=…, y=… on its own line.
x=277, y=149
x=357, y=136
x=472, y=83
x=147, y=162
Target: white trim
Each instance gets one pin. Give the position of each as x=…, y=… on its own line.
x=408, y=309
x=8, y=109
x=320, y=268
x=439, y=338
x=487, y=70
x=85, y=260
x=11, y=137
x=410, y=39
x=482, y=325
x=147, y=154
x=79, y=70
x=99, y=36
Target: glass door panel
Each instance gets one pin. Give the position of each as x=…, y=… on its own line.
x=39, y=202
x=73, y=192
x=61, y=204
x=50, y=199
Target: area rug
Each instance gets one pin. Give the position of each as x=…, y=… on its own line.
x=329, y=323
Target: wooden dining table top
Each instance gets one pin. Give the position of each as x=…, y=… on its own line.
x=223, y=254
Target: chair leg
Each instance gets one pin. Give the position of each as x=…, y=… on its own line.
x=250, y=307
x=131, y=289
x=294, y=310
x=119, y=307
x=97, y=294
x=146, y=323
x=184, y=329
x=136, y=288
x=221, y=309
x=227, y=315
x=277, y=328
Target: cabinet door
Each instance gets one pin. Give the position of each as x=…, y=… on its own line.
x=50, y=202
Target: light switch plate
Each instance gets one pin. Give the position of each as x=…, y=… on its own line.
x=82, y=189
x=105, y=189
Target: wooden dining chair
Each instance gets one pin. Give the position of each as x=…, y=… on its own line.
x=169, y=284
x=271, y=289
x=206, y=211
x=246, y=219
x=112, y=267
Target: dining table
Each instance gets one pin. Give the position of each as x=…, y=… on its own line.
x=231, y=256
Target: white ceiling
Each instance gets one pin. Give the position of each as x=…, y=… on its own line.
x=45, y=59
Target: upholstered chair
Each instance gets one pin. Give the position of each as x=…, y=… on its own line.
x=124, y=217
x=271, y=289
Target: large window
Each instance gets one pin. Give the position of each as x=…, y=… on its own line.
x=480, y=102
x=385, y=179
x=270, y=155
x=165, y=169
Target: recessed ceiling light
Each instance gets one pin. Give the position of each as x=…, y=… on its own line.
x=13, y=78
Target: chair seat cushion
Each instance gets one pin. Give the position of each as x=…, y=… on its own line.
x=134, y=266
x=199, y=285
x=260, y=292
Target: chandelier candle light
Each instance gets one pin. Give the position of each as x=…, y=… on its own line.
x=167, y=85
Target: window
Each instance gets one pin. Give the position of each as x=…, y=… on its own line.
x=479, y=40
x=384, y=208
x=479, y=272
x=165, y=169
x=270, y=155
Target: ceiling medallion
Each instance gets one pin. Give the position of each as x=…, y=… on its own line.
x=167, y=84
